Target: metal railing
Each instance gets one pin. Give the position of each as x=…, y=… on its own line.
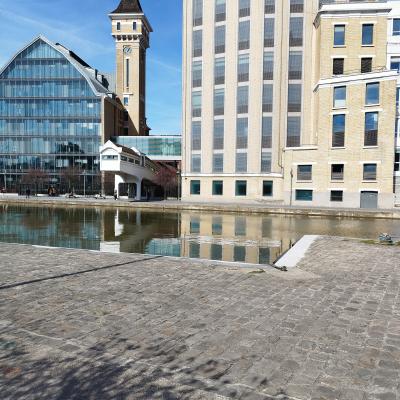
x=327, y=2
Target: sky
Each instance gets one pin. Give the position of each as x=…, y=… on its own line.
x=84, y=27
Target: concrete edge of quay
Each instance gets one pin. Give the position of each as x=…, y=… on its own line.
x=188, y=206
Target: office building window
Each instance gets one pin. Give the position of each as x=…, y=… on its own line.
x=367, y=34
x=372, y=93
x=396, y=27
x=241, y=188
x=268, y=67
x=304, y=195
x=366, y=65
x=219, y=101
x=294, y=97
x=196, y=163
x=395, y=63
x=268, y=97
x=244, y=35
x=218, y=134
x=196, y=135
x=243, y=99
x=296, y=31
x=295, y=65
x=269, y=7
x=369, y=172
x=371, y=129
x=241, y=162
x=244, y=8
x=304, y=172
x=266, y=138
x=219, y=39
x=218, y=162
x=339, y=97
x=197, y=12
x=194, y=190
x=338, y=66
x=296, y=6
x=197, y=72
x=269, y=32
x=338, y=130
x=339, y=35
x=217, y=190
x=219, y=71
x=293, y=132
x=241, y=133
x=337, y=195
x=266, y=159
x=220, y=10
x=196, y=104
x=337, y=172
x=243, y=67
x=197, y=43
x=268, y=188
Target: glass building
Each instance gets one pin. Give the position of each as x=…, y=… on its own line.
x=53, y=110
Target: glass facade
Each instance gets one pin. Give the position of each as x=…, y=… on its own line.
x=50, y=121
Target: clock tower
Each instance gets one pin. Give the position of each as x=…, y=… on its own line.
x=131, y=31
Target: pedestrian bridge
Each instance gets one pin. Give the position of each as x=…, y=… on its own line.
x=130, y=167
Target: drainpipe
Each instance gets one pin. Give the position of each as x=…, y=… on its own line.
x=291, y=187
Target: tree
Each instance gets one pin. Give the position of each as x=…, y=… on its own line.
x=70, y=178
x=36, y=177
x=166, y=177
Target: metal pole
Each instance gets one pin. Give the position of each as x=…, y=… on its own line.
x=84, y=184
x=5, y=180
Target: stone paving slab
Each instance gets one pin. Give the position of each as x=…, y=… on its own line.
x=76, y=324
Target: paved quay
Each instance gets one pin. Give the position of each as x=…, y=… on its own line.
x=255, y=207
x=76, y=324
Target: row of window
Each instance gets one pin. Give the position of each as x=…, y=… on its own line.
x=134, y=26
x=367, y=35
x=372, y=94
x=305, y=172
x=338, y=65
x=307, y=195
x=240, y=188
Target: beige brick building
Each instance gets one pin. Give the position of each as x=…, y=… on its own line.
x=288, y=101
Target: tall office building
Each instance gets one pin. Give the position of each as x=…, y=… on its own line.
x=288, y=101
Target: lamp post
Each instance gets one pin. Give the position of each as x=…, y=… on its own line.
x=84, y=183
x=5, y=180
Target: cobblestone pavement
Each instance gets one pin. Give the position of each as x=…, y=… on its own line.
x=86, y=325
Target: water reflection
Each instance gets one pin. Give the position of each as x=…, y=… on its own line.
x=229, y=237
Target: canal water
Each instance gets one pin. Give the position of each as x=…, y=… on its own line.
x=257, y=239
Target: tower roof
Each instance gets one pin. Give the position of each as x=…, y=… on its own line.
x=128, y=7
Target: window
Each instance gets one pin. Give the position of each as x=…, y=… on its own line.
x=241, y=162
x=367, y=34
x=219, y=40
x=217, y=189
x=219, y=101
x=127, y=73
x=366, y=65
x=296, y=31
x=337, y=195
x=395, y=63
x=296, y=6
x=241, y=188
x=194, y=250
x=369, y=172
x=220, y=10
x=396, y=27
x=240, y=226
x=243, y=100
x=304, y=172
x=244, y=35
x=339, y=97
x=338, y=130
x=339, y=35
x=268, y=68
x=239, y=253
x=304, y=195
x=194, y=190
x=244, y=8
x=268, y=188
x=197, y=71
x=294, y=97
x=338, y=66
x=216, y=251
x=266, y=137
x=266, y=158
x=195, y=221
x=197, y=12
x=197, y=43
x=372, y=93
x=196, y=135
x=218, y=134
x=295, y=65
x=243, y=68
x=196, y=163
x=218, y=162
x=134, y=26
x=241, y=133
x=126, y=100
x=293, y=132
x=196, y=104
x=118, y=26
x=219, y=71
x=268, y=92
x=397, y=162
x=371, y=129
x=337, y=172
x=109, y=157
x=264, y=255
x=269, y=32
x=269, y=7
x=216, y=227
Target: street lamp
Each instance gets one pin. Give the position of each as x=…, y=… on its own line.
x=5, y=180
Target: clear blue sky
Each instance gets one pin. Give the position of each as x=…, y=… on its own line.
x=84, y=27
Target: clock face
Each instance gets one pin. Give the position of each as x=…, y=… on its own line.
x=127, y=50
